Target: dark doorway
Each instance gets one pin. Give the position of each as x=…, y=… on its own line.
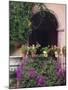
x=44, y=29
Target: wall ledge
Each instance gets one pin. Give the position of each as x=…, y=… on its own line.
x=60, y=30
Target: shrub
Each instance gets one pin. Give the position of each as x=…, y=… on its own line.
x=41, y=71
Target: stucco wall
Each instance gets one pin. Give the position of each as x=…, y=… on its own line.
x=60, y=12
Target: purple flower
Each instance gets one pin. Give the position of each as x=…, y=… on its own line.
x=40, y=80
x=58, y=66
x=19, y=72
x=59, y=71
x=32, y=73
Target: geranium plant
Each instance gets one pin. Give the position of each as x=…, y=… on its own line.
x=25, y=51
x=54, y=51
x=45, y=51
x=33, y=49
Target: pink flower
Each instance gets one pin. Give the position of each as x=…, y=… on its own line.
x=32, y=73
x=40, y=80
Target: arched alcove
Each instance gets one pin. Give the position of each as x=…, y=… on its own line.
x=44, y=29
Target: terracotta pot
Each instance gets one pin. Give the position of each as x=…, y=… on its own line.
x=25, y=55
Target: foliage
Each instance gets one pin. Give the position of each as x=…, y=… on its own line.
x=25, y=49
x=53, y=51
x=20, y=14
x=29, y=49
x=42, y=72
x=45, y=49
x=19, y=19
x=34, y=48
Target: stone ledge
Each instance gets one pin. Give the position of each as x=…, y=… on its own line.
x=60, y=30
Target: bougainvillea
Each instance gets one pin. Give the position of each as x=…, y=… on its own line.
x=19, y=72
x=39, y=72
x=40, y=80
x=32, y=73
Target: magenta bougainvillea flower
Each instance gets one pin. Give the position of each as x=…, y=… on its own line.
x=40, y=80
x=19, y=72
x=59, y=70
x=32, y=73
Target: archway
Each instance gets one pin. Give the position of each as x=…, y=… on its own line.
x=44, y=29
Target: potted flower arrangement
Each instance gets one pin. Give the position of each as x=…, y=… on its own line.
x=51, y=51
x=33, y=49
x=56, y=51
x=45, y=51
x=25, y=51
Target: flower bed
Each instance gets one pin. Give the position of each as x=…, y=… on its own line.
x=39, y=71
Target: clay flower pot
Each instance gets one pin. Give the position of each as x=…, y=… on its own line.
x=33, y=50
x=25, y=52
x=33, y=54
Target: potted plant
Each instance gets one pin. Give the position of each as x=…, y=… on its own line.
x=25, y=51
x=51, y=51
x=33, y=50
x=45, y=51
x=56, y=51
